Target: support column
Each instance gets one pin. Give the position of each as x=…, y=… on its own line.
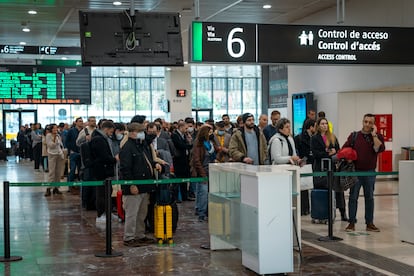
x=176, y=79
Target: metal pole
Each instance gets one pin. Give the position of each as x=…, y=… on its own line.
x=6, y=210
x=331, y=210
x=108, y=232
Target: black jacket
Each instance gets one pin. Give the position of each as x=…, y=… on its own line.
x=303, y=146
x=104, y=162
x=182, y=155
x=319, y=150
x=134, y=166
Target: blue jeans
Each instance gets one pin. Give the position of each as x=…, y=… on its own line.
x=202, y=199
x=74, y=162
x=368, y=184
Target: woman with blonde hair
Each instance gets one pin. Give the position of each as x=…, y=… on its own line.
x=324, y=144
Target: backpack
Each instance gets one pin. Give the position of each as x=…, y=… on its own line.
x=87, y=156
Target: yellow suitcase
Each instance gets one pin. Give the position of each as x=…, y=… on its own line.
x=163, y=224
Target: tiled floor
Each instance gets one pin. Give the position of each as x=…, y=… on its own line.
x=56, y=237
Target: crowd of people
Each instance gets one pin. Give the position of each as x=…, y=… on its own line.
x=142, y=149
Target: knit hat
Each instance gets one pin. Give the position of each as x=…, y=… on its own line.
x=245, y=116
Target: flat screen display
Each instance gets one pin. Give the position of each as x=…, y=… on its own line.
x=299, y=113
x=45, y=85
x=120, y=39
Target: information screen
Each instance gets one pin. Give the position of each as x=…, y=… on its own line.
x=299, y=114
x=45, y=85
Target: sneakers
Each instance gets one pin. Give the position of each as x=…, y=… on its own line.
x=202, y=218
x=101, y=219
x=132, y=243
x=371, y=227
x=145, y=240
x=350, y=227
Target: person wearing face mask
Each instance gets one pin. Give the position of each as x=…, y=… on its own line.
x=191, y=127
x=136, y=163
x=116, y=138
x=222, y=140
x=183, y=143
x=204, y=153
x=104, y=163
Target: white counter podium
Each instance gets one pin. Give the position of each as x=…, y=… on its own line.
x=405, y=200
x=250, y=208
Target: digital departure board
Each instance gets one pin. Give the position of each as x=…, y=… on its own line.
x=45, y=85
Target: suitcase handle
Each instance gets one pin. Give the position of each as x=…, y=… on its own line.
x=328, y=162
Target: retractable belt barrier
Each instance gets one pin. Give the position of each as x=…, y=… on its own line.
x=107, y=183
x=330, y=176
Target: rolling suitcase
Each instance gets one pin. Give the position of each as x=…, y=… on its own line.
x=320, y=206
x=163, y=224
x=119, y=209
x=163, y=214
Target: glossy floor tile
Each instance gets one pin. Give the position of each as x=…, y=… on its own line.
x=55, y=236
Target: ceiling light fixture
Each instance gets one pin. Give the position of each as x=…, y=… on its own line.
x=32, y=12
x=22, y=43
x=267, y=6
x=117, y=3
x=26, y=29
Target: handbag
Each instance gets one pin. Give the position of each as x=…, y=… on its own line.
x=343, y=183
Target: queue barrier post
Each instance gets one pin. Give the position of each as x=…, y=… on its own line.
x=108, y=233
x=6, y=210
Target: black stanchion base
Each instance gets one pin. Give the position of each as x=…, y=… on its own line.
x=11, y=259
x=329, y=239
x=113, y=254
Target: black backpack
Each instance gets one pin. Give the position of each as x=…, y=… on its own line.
x=87, y=156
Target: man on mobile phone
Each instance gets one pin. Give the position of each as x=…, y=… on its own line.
x=368, y=143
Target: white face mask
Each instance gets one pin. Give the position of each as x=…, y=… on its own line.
x=190, y=129
x=141, y=135
x=119, y=136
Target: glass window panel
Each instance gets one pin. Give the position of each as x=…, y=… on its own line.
x=96, y=107
x=143, y=100
x=219, y=98
x=111, y=98
x=251, y=71
x=110, y=72
x=96, y=71
x=234, y=98
x=126, y=71
x=142, y=71
x=204, y=87
x=234, y=71
x=219, y=71
x=157, y=72
x=250, y=100
x=79, y=111
x=159, y=101
x=127, y=101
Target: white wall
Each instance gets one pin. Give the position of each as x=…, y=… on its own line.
x=366, y=83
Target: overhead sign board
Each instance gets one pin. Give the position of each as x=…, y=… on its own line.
x=39, y=50
x=266, y=43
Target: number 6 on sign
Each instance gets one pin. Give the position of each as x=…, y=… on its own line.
x=231, y=40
